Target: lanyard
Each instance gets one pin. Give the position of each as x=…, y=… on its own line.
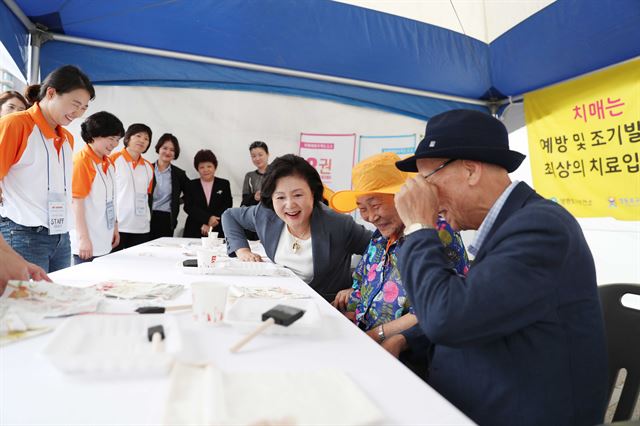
x=64, y=163
x=113, y=190
x=133, y=180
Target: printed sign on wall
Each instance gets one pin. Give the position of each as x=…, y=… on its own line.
x=332, y=155
x=584, y=143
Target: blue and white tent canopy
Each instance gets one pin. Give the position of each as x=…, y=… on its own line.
x=409, y=57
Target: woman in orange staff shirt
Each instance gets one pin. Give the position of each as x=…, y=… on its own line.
x=94, y=189
x=35, y=170
x=134, y=180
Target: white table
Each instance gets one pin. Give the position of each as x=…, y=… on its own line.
x=33, y=392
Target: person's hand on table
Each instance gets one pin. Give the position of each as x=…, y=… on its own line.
x=246, y=255
x=342, y=299
x=373, y=333
x=37, y=273
x=14, y=267
x=395, y=345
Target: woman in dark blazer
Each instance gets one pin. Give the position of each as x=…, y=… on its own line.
x=206, y=198
x=169, y=183
x=296, y=229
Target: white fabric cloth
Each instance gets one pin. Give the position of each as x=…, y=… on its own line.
x=206, y=395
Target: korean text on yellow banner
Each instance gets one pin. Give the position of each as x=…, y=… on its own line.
x=584, y=142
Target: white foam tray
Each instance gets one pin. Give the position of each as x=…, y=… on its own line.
x=237, y=267
x=113, y=345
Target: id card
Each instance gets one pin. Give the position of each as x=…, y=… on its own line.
x=57, y=213
x=141, y=204
x=111, y=215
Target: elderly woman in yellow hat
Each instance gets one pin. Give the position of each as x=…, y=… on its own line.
x=377, y=296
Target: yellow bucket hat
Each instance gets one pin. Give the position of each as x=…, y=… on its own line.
x=376, y=174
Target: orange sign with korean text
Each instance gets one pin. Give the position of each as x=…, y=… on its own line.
x=584, y=143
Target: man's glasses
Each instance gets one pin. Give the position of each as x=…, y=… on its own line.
x=440, y=167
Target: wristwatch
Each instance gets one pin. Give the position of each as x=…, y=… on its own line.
x=381, y=334
x=415, y=227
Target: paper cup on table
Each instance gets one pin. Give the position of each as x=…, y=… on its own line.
x=209, y=300
x=211, y=242
x=207, y=258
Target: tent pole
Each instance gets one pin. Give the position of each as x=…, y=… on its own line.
x=20, y=15
x=34, y=61
x=262, y=68
x=38, y=38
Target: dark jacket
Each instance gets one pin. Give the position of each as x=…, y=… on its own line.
x=197, y=209
x=335, y=237
x=520, y=340
x=179, y=181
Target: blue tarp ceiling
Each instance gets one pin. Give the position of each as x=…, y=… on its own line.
x=566, y=39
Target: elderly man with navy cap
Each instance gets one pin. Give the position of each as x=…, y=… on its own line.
x=519, y=340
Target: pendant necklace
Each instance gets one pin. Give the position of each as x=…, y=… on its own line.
x=296, y=246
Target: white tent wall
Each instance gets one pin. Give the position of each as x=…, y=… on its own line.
x=228, y=121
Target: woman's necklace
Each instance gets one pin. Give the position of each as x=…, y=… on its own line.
x=296, y=246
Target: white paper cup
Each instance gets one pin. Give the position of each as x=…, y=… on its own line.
x=206, y=257
x=209, y=300
x=213, y=235
x=211, y=242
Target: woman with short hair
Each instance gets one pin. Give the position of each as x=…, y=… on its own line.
x=259, y=152
x=134, y=179
x=206, y=198
x=169, y=183
x=94, y=189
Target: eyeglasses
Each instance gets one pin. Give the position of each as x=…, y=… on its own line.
x=440, y=167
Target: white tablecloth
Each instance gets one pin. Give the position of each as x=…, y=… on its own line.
x=33, y=392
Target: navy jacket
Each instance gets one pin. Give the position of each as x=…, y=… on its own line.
x=335, y=237
x=520, y=340
x=197, y=209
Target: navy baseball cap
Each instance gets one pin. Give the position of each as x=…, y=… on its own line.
x=466, y=135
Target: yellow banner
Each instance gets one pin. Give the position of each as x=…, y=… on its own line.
x=584, y=143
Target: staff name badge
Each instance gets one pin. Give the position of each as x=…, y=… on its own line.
x=141, y=204
x=111, y=215
x=57, y=213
